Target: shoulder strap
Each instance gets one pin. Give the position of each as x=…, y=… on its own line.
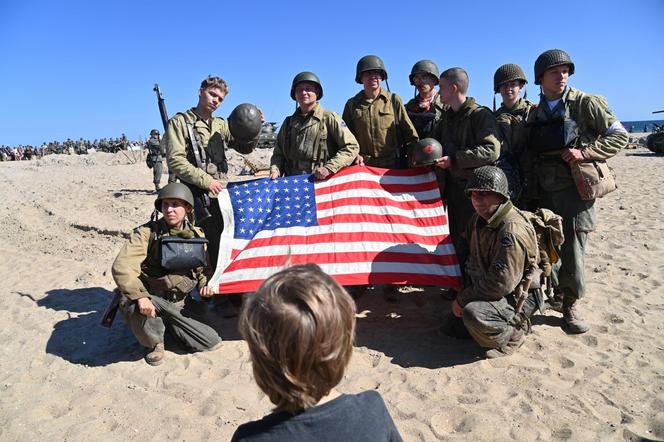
x=197, y=150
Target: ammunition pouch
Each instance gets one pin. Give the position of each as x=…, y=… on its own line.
x=178, y=253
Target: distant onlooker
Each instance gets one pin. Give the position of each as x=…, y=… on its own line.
x=299, y=326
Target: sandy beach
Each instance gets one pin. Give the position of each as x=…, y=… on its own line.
x=63, y=377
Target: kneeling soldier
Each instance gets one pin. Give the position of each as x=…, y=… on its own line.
x=502, y=262
x=157, y=269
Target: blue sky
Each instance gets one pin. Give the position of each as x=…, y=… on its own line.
x=87, y=68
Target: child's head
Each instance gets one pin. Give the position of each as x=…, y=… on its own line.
x=299, y=326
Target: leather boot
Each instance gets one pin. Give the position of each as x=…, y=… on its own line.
x=555, y=303
x=156, y=356
x=516, y=341
x=574, y=323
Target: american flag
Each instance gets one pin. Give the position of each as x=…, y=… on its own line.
x=364, y=225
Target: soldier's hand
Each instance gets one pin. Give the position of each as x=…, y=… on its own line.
x=274, y=175
x=146, y=307
x=571, y=155
x=206, y=292
x=444, y=162
x=457, y=310
x=359, y=160
x=216, y=187
x=321, y=173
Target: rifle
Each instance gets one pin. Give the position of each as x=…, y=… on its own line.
x=201, y=198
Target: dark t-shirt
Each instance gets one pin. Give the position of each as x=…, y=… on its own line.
x=358, y=417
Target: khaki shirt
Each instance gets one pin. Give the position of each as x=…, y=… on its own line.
x=521, y=107
x=373, y=124
x=319, y=137
x=214, y=135
x=470, y=137
x=501, y=250
x=133, y=268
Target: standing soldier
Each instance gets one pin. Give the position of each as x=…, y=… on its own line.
x=198, y=132
x=378, y=118
x=509, y=80
x=569, y=126
x=312, y=140
x=469, y=135
x=426, y=108
x=155, y=158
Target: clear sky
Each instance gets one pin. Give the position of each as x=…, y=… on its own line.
x=87, y=68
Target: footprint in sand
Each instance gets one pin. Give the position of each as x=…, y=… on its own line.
x=565, y=363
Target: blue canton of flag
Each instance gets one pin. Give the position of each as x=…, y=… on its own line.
x=267, y=204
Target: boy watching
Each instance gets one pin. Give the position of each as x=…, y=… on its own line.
x=300, y=326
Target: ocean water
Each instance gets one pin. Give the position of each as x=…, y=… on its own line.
x=642, y=126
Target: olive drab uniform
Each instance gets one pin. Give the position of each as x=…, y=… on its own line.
x=306, y=142
x=155, y=158
x=373, y=122
x=213, y=136
x=582, y=121
x=425, y=115
x=138, y=273
x=470, y=138
x=502, y=249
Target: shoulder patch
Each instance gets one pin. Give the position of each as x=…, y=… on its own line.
x=507, y=240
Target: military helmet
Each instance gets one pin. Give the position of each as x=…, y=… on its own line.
x=488, y=178
x=154, y=132
x=425, y=152
x=369, y=63
x=174, y=190
x=245, y=122
x=508, y=72
x=424, y=67
x=549, y=59
x=309, y=77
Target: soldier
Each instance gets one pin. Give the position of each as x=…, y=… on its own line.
x=469, y=135
x=378, y=118
x=503, y=251
x=426, y=108
x=153, y=293
x=509, y=80
x=312, y=140
x=155, y=158
x=212, y=135
x=569, y=126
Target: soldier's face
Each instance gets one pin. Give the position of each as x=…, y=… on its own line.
x=424, y=83
x=486, y=202
x=306, y=93
x=554, y=81
x=174, y=211
x=371, y=79
x=447, y=90
x=210, y=98
x=510, y=91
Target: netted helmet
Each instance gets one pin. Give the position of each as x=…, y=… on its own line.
x=174, y=190
x=245, y=122
x=425, y=152
x=154, y=132
x=549, y=59
x=309, y=77
x=506, y=73
x=369, y=63
x=424, y=67
x=488, y=178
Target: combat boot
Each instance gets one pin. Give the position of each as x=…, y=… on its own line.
x=574, y=323
x=556, y=302
x=516, y=340
x=156, y=356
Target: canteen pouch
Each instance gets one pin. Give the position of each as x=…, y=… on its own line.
x=183, y=253
x=593, y=179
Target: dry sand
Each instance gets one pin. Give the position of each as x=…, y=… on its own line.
x=63, y=377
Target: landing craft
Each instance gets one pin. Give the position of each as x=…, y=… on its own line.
x=655, y=141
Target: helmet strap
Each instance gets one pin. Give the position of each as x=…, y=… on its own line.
x=494, y=101
x=387, y=85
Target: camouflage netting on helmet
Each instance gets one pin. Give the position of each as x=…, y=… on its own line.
x=549, y=59
x=488, y=179
x=508, y=72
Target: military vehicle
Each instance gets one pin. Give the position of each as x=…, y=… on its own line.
x=267, y=139
x=655, y=141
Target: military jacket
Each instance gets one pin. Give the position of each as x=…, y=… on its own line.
x=137, y=270
x=214, y=135
x=154, y=148
x=373, y=124
x=425, y=120
x=469, y=137
x=599, y=135
x=501, y=250
x=306, y=141
x=520, y=108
